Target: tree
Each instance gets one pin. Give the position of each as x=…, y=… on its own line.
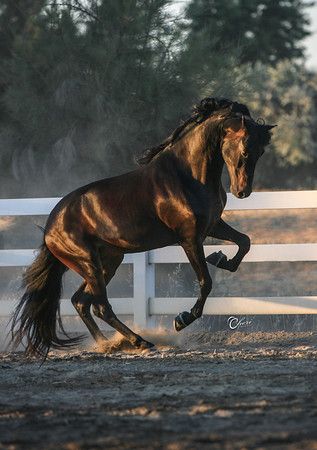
x=88, y=84
x=260, y=30
x=92, y=87
x=15, y=22
x=286, y=95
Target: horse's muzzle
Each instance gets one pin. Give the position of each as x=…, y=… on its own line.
x=241, y=194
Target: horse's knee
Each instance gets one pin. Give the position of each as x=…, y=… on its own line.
x=245, y=243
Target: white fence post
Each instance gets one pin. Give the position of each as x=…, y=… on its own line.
x=143, y=288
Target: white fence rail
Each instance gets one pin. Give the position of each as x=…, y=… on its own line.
x=144, y=304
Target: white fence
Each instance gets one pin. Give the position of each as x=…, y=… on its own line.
x=144, y=304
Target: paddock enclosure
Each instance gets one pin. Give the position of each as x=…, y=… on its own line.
x=240, y=387
x=144, y=304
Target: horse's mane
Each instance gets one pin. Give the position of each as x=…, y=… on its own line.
x=200, y=113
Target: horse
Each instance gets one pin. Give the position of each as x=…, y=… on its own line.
x=175, y=196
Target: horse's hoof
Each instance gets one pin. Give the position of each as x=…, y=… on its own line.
x=216, y=258
x=183, y=320
x=144, y=345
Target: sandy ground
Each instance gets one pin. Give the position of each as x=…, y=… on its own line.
x=202, y=390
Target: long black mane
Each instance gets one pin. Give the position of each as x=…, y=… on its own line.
x=200, y=113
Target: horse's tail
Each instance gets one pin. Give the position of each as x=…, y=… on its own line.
x=38, y=312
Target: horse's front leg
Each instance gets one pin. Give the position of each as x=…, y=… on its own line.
x=196, y=256
x=225, y=232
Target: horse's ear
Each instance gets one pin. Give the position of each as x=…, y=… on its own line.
x=235, y=128
x=269, y=127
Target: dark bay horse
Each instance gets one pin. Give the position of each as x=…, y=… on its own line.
x=175, y=196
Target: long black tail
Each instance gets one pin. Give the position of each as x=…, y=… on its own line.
x=34, y=322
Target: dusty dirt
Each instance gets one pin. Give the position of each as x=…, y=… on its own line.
x=196, y=391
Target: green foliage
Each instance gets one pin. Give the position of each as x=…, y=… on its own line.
x=86, y=95
x=286, y=94
x=262, y=30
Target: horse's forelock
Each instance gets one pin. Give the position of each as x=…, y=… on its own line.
x=209, y=105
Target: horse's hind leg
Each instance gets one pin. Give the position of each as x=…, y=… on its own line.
x=85, y=258
x=82, y=303
x=103, y=310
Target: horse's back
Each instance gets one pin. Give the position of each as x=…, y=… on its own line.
x=117, y=211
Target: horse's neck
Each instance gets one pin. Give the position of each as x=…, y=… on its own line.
x=215, y=169
x=202, y=157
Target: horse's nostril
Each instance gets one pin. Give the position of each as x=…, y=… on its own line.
x=241, y=194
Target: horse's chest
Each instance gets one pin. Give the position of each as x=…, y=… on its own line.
x=217, y=207
x=191, y=211
x=209, y=211
x=204, y=220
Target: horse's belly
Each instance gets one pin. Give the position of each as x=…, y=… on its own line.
x=137, y=238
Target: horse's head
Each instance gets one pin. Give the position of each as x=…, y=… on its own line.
x=243, y=144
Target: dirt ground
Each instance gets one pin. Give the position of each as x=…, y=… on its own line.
x=222, y=390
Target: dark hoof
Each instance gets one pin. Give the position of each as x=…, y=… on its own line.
x=144, y=345
x=183, y=320
x=216, y=258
